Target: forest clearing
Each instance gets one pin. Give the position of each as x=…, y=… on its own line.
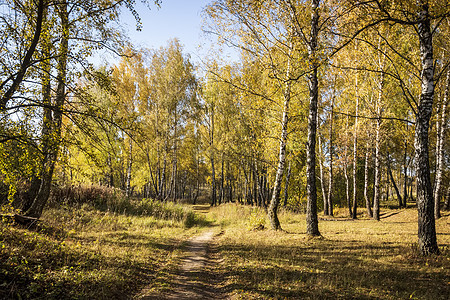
x=93, y=254
x=300, y=149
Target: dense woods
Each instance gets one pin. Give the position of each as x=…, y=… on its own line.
x=332, y=104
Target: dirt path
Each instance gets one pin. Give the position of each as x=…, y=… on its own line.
x=197, y=278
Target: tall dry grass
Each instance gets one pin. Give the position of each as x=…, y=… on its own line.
x=354, y=259
x=92, y=243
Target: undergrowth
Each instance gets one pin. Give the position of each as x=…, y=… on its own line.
x=89, y=250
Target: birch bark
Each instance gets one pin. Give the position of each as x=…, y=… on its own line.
x=425, y=199
x=312, y=223
x=440, y=150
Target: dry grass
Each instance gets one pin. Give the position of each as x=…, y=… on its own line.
x=84, y=253
x=361, y=259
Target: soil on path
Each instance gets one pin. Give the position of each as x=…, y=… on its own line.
x=197, y=278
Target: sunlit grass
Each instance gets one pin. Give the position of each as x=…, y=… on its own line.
x=84, y=253
x=361, y=259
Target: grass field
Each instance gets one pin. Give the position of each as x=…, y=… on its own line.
x=361, y=259
x=86, y=253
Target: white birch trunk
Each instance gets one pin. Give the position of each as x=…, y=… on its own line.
x=330, y=184
x=275, y=201
x=366, y=183
x=355, y=155
x=312, y=223
x=442, y=119
x=322, y=180
x=425, y=197
x=129, y=167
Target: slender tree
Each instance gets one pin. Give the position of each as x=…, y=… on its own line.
x=52, y=136
x=425, y=199
x=312, y=224
x=442, y=121
x=274, y=203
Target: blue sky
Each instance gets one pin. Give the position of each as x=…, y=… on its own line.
x=180, y=19
x=174, y=19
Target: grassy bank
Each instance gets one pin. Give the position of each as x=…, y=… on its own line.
x=87, y=252
x=82, y=252
x=361, y=259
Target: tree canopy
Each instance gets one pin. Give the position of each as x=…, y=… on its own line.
x=332, y=105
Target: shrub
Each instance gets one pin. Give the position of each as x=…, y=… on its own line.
x=114, y=200
x=97, y=196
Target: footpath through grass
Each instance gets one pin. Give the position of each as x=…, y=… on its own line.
x=78, y=252
x=82, y=252
x=361, y=259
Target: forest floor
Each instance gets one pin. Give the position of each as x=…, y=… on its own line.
x=224, y=252
x=197, y=277
x=81, y=252
x=353, y=259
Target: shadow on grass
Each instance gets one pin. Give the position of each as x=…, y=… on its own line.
x=334, y=270
x=50, y=263
x=35, y=266
x=390, y=214
x=76, y=280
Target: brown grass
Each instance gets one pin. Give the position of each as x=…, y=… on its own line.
x=361, y=259
x=84, y=253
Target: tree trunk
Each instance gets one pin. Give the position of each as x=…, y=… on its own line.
x=129, y=167
x=425, y=199
x=387, y=182
x=255, y=183
x=222, y=181
x=355, y=156
x=27, y=59
x=377, y=192
x=286, y=185
x=397, y=192
x=405, y=175
x=162, y=182
x=213, y=183
x=377, y=175
x=366, y=183
x=211, y=146
x=47, y=116
x=347, y=183
x=197, y=178
x=173, y=185
x=262, y=188
x=229, y=183
x=322, y=180
x=31, y=193
x=274, y=203
x=53, y=139
x=440, y=150
x=331, y=149
x=110, y=175
x=312, y=223
x=411, y=184
x=246, y=187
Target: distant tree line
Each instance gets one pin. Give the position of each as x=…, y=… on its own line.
x=333, y=104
